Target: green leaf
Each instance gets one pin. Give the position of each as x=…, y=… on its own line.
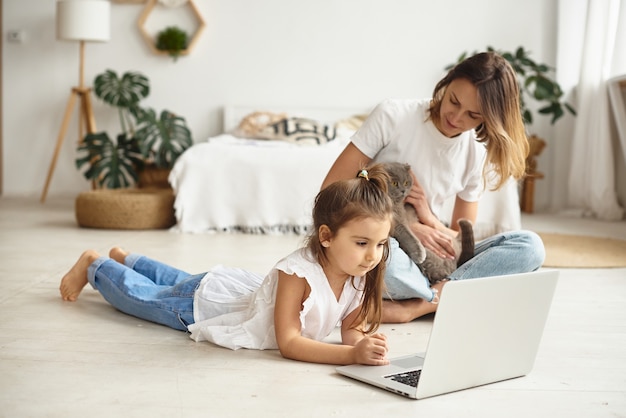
x=570, y=108
x=558, y=113
x=555, y=109
x=546, y=83
x=528, y=62
x=548, y=110
x=508, y=56
x=527, y=116
x=110, y=164
x=162, y=140
x=541, y=93
x=125, y=92
x=530, y=80
x=546, y=89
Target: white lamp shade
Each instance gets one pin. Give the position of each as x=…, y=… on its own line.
x=84, y=20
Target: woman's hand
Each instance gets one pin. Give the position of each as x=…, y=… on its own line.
x=438, y=242
x=371, y=350
x=418, y=199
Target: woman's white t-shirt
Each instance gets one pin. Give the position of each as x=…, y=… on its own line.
x=400, y=131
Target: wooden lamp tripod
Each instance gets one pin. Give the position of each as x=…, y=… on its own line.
x=86, y=118
x=84, y=20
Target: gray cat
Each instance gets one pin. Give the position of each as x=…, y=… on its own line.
x=432, y=266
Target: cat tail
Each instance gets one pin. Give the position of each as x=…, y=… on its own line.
x=467, y=241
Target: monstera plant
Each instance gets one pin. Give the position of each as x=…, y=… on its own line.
x=146, y=140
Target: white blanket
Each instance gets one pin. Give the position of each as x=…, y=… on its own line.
x=256, y=186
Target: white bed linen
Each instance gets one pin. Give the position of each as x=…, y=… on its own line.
x=230, y=184
x=247, y=185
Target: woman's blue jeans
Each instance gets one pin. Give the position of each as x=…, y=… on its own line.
x=147, y=289
x=504, y=253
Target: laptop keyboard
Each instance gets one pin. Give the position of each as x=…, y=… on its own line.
x=408, y=378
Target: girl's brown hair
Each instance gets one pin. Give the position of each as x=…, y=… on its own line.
x=346, y=200
x=502, y=129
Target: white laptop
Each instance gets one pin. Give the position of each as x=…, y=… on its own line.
x=485, y=330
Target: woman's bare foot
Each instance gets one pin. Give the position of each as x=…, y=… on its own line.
x=118, y=254
x=406, y=310
x=400, y=311
x=75, y=280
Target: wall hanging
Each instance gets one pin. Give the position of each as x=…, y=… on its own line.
x=171, y=40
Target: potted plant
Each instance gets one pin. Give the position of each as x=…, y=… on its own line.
x=172, y=40
x=536, y=82
x=146, y=140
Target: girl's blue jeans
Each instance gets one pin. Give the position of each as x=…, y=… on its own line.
x=504, y=253
x=147, y=289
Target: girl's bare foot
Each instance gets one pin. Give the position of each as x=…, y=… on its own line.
x=118, y=254
x=75, y=279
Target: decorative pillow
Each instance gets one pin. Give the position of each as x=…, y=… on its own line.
x=252, y=124
x=299, y=130
x=352, y=123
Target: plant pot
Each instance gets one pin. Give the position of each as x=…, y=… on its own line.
x=527, y=197
x=154, y=177
x=146, y=208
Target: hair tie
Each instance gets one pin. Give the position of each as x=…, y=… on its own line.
x=363, y=174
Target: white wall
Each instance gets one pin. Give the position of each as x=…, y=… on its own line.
x=276, y=52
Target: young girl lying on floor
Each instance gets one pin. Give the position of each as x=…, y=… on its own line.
x=336, y=278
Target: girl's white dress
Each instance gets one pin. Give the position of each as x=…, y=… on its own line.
x=234, y=308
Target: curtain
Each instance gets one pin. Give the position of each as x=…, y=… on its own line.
x=592, y=180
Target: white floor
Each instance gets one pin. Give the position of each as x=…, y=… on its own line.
x=61, y=359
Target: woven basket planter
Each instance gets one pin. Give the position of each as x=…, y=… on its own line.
x=140, y=208
x=154, y=177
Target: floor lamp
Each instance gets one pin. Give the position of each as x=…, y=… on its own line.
x=83, y=21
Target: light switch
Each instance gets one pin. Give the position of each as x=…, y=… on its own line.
x=16, y=36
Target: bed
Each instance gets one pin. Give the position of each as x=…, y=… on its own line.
x=230, y=183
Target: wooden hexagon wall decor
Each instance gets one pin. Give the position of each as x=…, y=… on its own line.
x=150, y=39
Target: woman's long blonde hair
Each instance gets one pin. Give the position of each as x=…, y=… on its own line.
x=344, y=201
x=502, y=129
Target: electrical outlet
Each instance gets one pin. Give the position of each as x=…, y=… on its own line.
x=16, y=36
